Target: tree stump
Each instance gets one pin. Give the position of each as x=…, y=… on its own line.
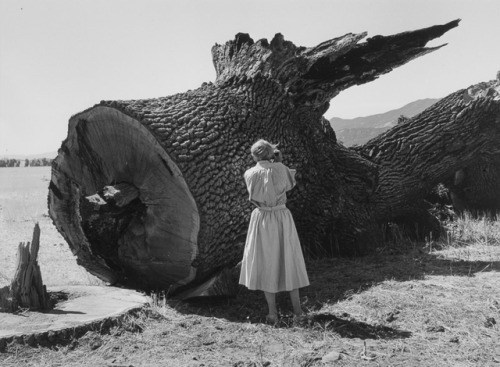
x=27, y=289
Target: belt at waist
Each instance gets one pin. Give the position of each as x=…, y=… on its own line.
x=272, y=208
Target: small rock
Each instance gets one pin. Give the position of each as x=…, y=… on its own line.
x=331, y=357
x=51, y=336
x=454, y=339
x=490, y=322
x=196, y=344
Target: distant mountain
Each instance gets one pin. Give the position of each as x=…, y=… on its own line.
x=361, y=129
x=50, y=155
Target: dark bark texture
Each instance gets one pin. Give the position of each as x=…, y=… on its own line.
x=458, y=134
x=149, y=193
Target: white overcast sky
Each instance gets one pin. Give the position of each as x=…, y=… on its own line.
x=59, y=57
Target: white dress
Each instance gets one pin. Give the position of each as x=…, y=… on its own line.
x=273, y=260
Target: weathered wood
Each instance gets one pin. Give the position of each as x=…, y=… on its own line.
x=186, y=155
x=27, y=289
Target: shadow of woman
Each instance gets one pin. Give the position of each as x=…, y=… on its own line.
x=347, y=326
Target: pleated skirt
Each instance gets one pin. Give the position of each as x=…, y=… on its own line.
x=273, y=260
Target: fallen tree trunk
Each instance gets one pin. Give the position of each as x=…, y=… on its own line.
x=181, y=159
x=460, y=132
x=27, y=289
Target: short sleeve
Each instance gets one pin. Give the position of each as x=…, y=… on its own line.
x=290, y=177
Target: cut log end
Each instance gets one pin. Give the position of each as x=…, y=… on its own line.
x=116, y=190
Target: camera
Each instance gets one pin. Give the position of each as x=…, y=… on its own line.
x=277, y=155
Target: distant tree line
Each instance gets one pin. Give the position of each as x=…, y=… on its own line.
x=37, y=162
x=10, y=162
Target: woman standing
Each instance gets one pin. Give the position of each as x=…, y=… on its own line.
x=272, y=260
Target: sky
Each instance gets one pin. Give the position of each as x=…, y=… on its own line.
x=60, y=57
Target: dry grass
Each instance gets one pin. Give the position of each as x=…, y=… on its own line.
x=470, y=239
x=23, y=202
x=429, y=304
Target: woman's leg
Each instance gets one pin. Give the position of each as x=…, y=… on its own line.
x=295, y=298
x=271, y=304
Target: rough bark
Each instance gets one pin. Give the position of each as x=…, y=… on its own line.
x=458, y=134
x=27, y=289
x=185, y=156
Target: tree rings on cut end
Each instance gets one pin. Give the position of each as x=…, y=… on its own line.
x=122, y=203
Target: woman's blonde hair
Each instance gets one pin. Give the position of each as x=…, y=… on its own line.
x=263, y=150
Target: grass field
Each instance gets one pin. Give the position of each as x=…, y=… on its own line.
x=23, y=202
x=410, y=304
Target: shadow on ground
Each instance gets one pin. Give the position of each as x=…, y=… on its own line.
x=335, y=280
